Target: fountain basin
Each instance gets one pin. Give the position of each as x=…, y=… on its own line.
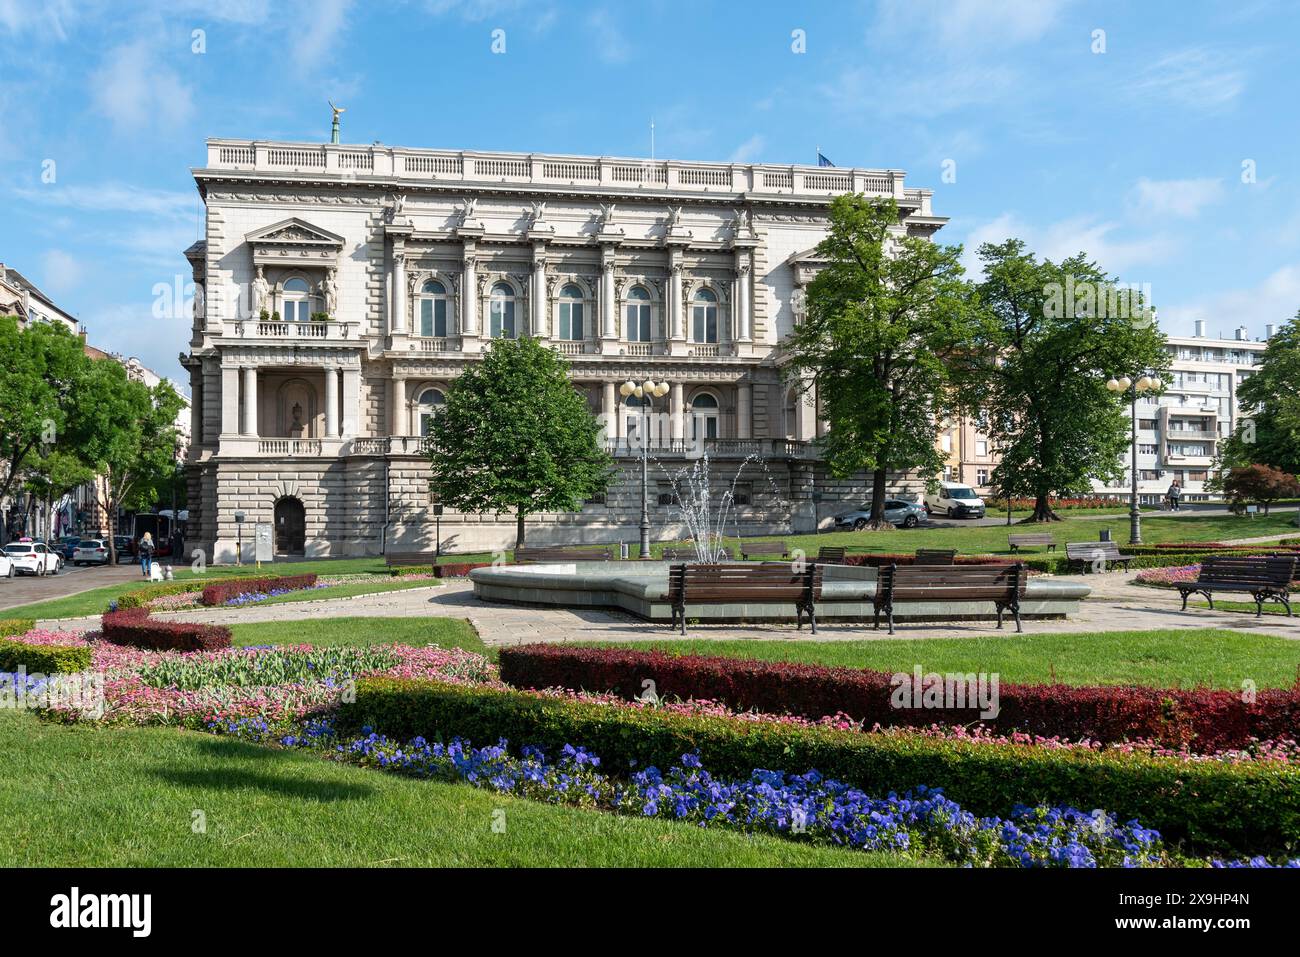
x=641, y=588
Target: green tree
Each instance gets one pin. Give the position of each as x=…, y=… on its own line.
x=42, y=369
x=1053, y=335
x=1269, y=430
x=126, y=432
x=885, y=318
x=58, y=472
x=515, y=436
x=1260, y=485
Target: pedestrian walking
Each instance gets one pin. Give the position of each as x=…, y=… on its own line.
x=1175, y=491
x=146, y=555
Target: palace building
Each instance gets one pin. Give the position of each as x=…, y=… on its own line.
x=344, y=288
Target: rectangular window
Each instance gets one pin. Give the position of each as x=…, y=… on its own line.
x=981, y=447
x=503, y=319
x=571, y=320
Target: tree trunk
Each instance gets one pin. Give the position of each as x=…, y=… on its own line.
x=876, y=522
x=519, y=529
x=1042, y=511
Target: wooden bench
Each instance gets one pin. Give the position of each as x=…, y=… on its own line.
x=832, y=554
x=1004, y=585
x=1264, y=578
x=763, y=548
x=935, y=556
x=720, y=584
x=393, y=559
x=688, y=554
x=1018, y=542
x=564, y=553
x=1086, y=555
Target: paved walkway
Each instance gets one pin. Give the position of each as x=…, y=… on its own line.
x=1115, y=605
x=22, y=589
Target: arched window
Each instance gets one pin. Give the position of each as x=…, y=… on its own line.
x=638, y=315
x=571, y=326
x=433, y=309
x=501, y=311
x=296, y=306
x=704, y=317
x=704, y=416
x=430, y=404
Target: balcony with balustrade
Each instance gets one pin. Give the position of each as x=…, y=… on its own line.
x=330, y=332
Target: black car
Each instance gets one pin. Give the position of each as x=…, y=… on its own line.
x=125, y=548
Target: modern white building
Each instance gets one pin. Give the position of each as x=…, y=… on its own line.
x=346, y=287
x=1179, y=431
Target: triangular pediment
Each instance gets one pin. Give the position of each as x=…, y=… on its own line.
x=294, y=232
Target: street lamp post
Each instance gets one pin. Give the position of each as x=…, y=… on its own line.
x=1133, y=387
x=647, y=392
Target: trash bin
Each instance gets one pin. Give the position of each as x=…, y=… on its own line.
x=1105, y=534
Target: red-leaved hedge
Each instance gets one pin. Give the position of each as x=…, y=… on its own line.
x=219, y=593
x=134, y=627
x=1207, y=719
x=878, y=559
x=458, y=569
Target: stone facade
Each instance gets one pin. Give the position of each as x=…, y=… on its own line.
x=345, y=288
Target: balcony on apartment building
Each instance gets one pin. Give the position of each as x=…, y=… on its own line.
x=330, y=332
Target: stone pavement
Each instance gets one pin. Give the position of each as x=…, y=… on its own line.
x=1115, y=605
x=22, y=589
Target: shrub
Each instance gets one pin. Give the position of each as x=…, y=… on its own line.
x=1210, y=806
x=16, y=626
x=218, y=593
x=45, y=659
x=140, y=597
x=134, y=627
x=458, y=569
x=1211, y=720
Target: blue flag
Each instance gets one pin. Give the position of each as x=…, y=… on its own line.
x=822, y=160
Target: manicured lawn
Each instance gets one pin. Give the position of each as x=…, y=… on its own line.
x=127, y=797
x=1216, y=658
x=1270, y=607
x=332, y=632
x=352, y=588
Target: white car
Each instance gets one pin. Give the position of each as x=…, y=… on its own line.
x=34, y=558
x=7, y=567
x=956, y=500
x=90, y=551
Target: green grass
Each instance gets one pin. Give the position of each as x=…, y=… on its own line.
x=351, y=589
x=1270, y=607
x=126, y=797
x=1210, y=657
x=334, y=632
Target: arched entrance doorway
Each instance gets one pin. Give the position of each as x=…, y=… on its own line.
x=290, y=527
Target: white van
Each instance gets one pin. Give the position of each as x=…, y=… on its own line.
x=955, y=500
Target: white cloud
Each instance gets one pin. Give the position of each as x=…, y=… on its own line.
x=60, y=272
x=962, y=24
x=1065, y=238
x=1183, y=198
x=1273, y=300
x=112, y=197
x=607, y=38
x=137, y=91
x=325, y=20
x=1198, y=77
x=748, y=151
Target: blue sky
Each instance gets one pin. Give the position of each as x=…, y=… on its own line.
x=1134, y=155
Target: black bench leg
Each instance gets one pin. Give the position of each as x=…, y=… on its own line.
x=998, y=606
x=798, y=617
x=812, y=617
x=1015, y=610
x=875, y=618
x=1185, y=595
x=889, y=613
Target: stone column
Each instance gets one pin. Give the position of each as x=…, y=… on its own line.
x=229, y=400
x=397, y=322
x=744, y=292
x=469, y=294
x=608, y=310
x=331, y=402
x=609, y=410
x=744, y=410
x=351, y=401
x=676, y=327
x=677, y=411
x=540, y=323
x=250, y=401
x=397, y=424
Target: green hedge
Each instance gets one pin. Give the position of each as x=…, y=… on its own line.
x=140, y=597
x=1210, y=807
x=16, y=626
x=45, y=659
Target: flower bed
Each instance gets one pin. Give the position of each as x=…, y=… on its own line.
x=223, y=592
x=46, y=659
x=807, y=806
x=16, y=626
x=1212, y=720
x=134, y=627
x=1211, y=806
x=1175, y=575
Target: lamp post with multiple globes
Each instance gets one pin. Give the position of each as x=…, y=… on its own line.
x=647, y=392
x=1145, y=383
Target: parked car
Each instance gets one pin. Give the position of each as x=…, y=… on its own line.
x=955, y=500
x=34, y=558
x=65, y=545
x=125, y=546
x=897, y=512
x=91, y=551
x=7, y=567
